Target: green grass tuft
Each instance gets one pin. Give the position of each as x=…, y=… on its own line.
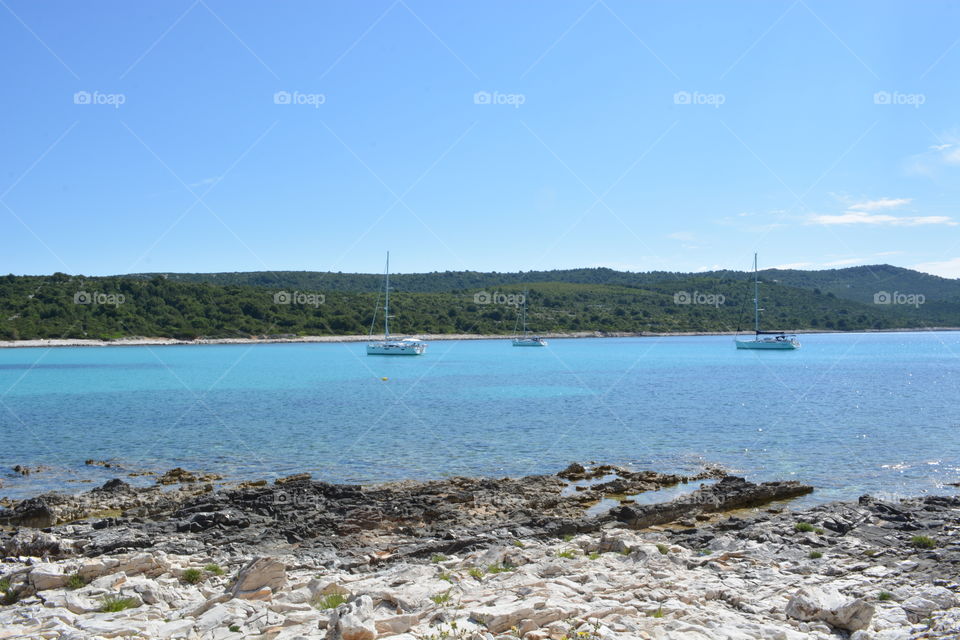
x=923, y=542
x=594, y=555
x=192, y=576
x=803, y=526
x=658, y=613
x=214, y=569
x=518, y=544
x=567, y=553
x=112, y=604
x=662, y=548
x=815, y=555
x=438, y=557
x=476, y=572
x=884, y=596
x=441, y=598
x=500, y=568
x=331, y=601
x=76, y=581
x=234, y=628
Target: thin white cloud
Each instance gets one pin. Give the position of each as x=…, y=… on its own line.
x=936, y=157
x=945, y=268
x=683, y=236
x=882, y=203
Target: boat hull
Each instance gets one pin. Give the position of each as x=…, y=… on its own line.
x=529, y=342
x=769, y=345
x=396, y=348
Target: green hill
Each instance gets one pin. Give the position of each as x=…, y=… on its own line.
x=306, y=303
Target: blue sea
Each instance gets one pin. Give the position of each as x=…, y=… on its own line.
x=848, y=413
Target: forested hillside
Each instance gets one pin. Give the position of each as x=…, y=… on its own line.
x=64, y=306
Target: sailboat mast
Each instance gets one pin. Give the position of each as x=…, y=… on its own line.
x=756, y=296
x=386, y=304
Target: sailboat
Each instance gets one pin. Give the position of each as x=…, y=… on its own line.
x=526, y=340
x=391, y=346
x=764, y=339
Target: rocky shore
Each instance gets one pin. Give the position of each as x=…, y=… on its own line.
x=536, y=557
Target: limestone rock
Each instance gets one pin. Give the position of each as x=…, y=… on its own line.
x=259, y=579
x=353, y=621
x=828, y=605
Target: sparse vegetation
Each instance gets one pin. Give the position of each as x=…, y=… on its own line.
x=438, y=557
x=192, y=576
x=445, y=575
x=76, y=581
x=566, y=553
x=214, y=569
x=518, y=544
x=803, y=527
x=441, y=598
x=658, y=613
x=234, y=628
x=884, y=596
x=923, y=542
x=663, y=549
x=568, y=537
x=594, y=555
x=500, y=568
x=815, y=555
x=329, y=601
x=112, y=604
x=476, y=572
x=704, y=552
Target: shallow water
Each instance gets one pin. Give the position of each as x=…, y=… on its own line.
x=849, y=413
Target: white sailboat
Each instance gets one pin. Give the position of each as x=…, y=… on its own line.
x=526, y=339
x=391, y=346
x=773, y=340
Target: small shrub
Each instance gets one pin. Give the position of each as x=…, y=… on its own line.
x=662, y=548
x=192, y=576
x=234, y=628
x=112, y=604
x=815, y=555
x=594, y=555
x=445, y=575
x=4, y=585
x=923, y=542
x=330, y=601
x=818, y=531
x=884, y=595
x=567, y=553
x=214, y=569
x=438, y=557
x=476, y=572
x=803, y=526
x=441, y=598
x=76, y=581
x=500, y=568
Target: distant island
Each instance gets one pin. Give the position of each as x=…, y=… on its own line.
x=291, y=304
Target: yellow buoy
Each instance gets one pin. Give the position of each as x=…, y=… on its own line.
x=384, y=379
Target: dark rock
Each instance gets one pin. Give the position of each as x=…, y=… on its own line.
x=33, y=512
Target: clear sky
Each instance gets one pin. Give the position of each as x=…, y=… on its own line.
x=210, y=135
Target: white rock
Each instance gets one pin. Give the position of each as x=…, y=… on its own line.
x=353, y=621
x=47, y=575
x=259, y=579
x=828, y=605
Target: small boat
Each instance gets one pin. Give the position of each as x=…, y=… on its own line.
x=526, y=340
x=391, y=346
x=774, y=340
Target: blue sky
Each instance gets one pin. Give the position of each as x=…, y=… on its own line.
x=221, y=136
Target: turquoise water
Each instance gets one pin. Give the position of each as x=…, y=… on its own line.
x=849, y=413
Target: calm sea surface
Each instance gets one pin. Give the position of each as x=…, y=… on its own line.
x=848, y=413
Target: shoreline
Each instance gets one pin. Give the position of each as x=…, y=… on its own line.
x=481, y=558
x=439, y=337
